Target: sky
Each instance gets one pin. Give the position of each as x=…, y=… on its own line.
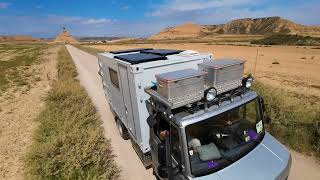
x=139, y=18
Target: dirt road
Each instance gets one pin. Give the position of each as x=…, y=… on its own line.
x=127, y=159
x=302, y=168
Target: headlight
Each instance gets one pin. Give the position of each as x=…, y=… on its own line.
x=249, y=82
x=211, y=94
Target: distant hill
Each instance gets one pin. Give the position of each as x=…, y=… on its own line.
x=65, y=37
x=257, y=26
x=18, y=38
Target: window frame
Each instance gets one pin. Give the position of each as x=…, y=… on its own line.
x=180, y=160
x=114, y=82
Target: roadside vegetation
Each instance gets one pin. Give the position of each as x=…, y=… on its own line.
x=90, y=50
x=15, y=61
x=292, y=40
x=69, y=142
x=295, y=118
x=213, y=40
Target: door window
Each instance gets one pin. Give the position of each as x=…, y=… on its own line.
x=175, y=144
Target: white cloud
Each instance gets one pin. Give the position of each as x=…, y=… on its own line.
x=50, y=25
x=93, y=21
x=4, y=5
x=161, y=16
x=220, y=11
x=178, y=6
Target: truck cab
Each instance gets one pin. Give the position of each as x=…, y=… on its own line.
x=227, y=140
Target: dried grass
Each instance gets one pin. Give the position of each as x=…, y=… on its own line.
x=69, y=143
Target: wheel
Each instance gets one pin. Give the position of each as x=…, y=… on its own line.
x=122, y=130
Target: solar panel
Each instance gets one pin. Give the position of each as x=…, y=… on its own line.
x=162, y=52
x=140, y=58
x=129, y=50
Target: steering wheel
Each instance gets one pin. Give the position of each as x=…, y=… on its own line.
x=235, y=133
x=220, y=131
x=217, y=134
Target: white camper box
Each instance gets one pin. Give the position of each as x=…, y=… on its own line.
x=125, y=74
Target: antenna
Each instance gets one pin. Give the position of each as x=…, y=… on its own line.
x=255, y=64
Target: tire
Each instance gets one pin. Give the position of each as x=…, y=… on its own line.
x=122, y=130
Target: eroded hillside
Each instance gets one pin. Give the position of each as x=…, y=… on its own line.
x=247, y=26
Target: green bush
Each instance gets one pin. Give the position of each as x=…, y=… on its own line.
x=295, y=119
x=69, y=142
x=283, y=39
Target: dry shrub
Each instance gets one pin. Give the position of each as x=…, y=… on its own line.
x=295, y=119
x=90, y=50
x=69, y=142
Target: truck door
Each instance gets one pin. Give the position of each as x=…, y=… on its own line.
x=176, y=153
x=127, y=99
x=175, y=148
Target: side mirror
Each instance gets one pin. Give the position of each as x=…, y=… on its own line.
x=263, y=106
x=162, y=158
x=266, y=119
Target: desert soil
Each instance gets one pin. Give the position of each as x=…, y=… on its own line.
x=19, y=106
x=297, y=71
x=303, y=167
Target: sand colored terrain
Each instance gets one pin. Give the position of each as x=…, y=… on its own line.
x=298, y=70
x=187, y=30
x=19, y=106
x=18, y=38
x=65, y=37
x=248, y=26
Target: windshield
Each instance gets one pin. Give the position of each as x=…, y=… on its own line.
x=219, y=141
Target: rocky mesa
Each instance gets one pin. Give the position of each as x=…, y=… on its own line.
x=249, y=26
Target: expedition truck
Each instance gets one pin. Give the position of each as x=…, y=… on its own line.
x=189, y=116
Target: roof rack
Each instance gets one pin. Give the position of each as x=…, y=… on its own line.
x=202, y=104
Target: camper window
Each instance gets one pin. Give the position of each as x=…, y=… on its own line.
x=114, y=77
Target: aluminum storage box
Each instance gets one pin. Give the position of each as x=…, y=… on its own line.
x=223, y=74
x=181, y=87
